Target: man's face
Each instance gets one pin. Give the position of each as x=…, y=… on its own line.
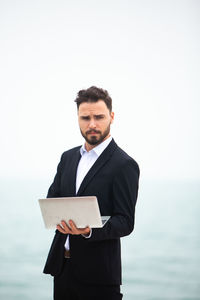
x=94, y=121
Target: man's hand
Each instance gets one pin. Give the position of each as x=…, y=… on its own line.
x=64, y=228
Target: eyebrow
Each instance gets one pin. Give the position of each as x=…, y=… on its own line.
x=100, y=115
x=96, y=116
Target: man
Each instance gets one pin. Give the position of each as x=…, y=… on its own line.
x=86, y=263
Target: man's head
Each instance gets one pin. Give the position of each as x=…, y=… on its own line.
x=94, y=115
x=94, y=94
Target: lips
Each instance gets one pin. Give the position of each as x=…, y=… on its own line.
x=93, y=132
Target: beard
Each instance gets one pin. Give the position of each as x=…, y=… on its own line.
x=95, y=139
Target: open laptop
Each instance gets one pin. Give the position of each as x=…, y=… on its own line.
x=84, y=211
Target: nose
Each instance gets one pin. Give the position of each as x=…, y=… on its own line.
x=92, y=124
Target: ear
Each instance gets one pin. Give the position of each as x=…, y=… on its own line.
x=112, y=117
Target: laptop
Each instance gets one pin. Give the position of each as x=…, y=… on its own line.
x=84, y=211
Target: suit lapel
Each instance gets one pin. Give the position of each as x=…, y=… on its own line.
x=102, y=159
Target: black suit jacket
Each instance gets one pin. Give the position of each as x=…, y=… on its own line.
x=113, y=179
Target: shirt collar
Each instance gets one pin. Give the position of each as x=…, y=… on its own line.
x=98, y=149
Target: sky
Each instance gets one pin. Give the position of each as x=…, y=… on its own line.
x=145, y=53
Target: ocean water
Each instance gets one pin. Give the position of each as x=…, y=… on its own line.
x=161, y=258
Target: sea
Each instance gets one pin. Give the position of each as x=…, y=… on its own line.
x=161, y=258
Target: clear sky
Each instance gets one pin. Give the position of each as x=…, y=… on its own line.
x=145, y=53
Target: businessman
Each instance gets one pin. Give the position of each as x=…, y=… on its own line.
x=86, y=263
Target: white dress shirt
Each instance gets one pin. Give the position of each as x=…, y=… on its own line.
x=87, y=160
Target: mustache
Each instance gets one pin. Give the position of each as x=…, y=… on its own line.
x=92, y=130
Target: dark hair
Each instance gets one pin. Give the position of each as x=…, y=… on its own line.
x=94, y=94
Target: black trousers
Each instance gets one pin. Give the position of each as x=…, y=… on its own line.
x=66, y=287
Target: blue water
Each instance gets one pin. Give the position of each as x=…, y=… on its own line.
x=161, y=258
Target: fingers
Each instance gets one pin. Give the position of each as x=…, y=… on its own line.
x=75, y=230
x=61, y=229
x=65, y=229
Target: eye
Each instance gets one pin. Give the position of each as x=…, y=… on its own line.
x=99, y=117
x=85, y=118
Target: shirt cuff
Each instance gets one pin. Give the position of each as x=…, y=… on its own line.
x=88, y=236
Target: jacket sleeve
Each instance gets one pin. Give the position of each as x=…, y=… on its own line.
x=55, y=257
x=54, y=190
x=124, y=197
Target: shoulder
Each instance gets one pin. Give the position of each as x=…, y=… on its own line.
x=71, y=151
x=68, y=154
x=124, y=160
